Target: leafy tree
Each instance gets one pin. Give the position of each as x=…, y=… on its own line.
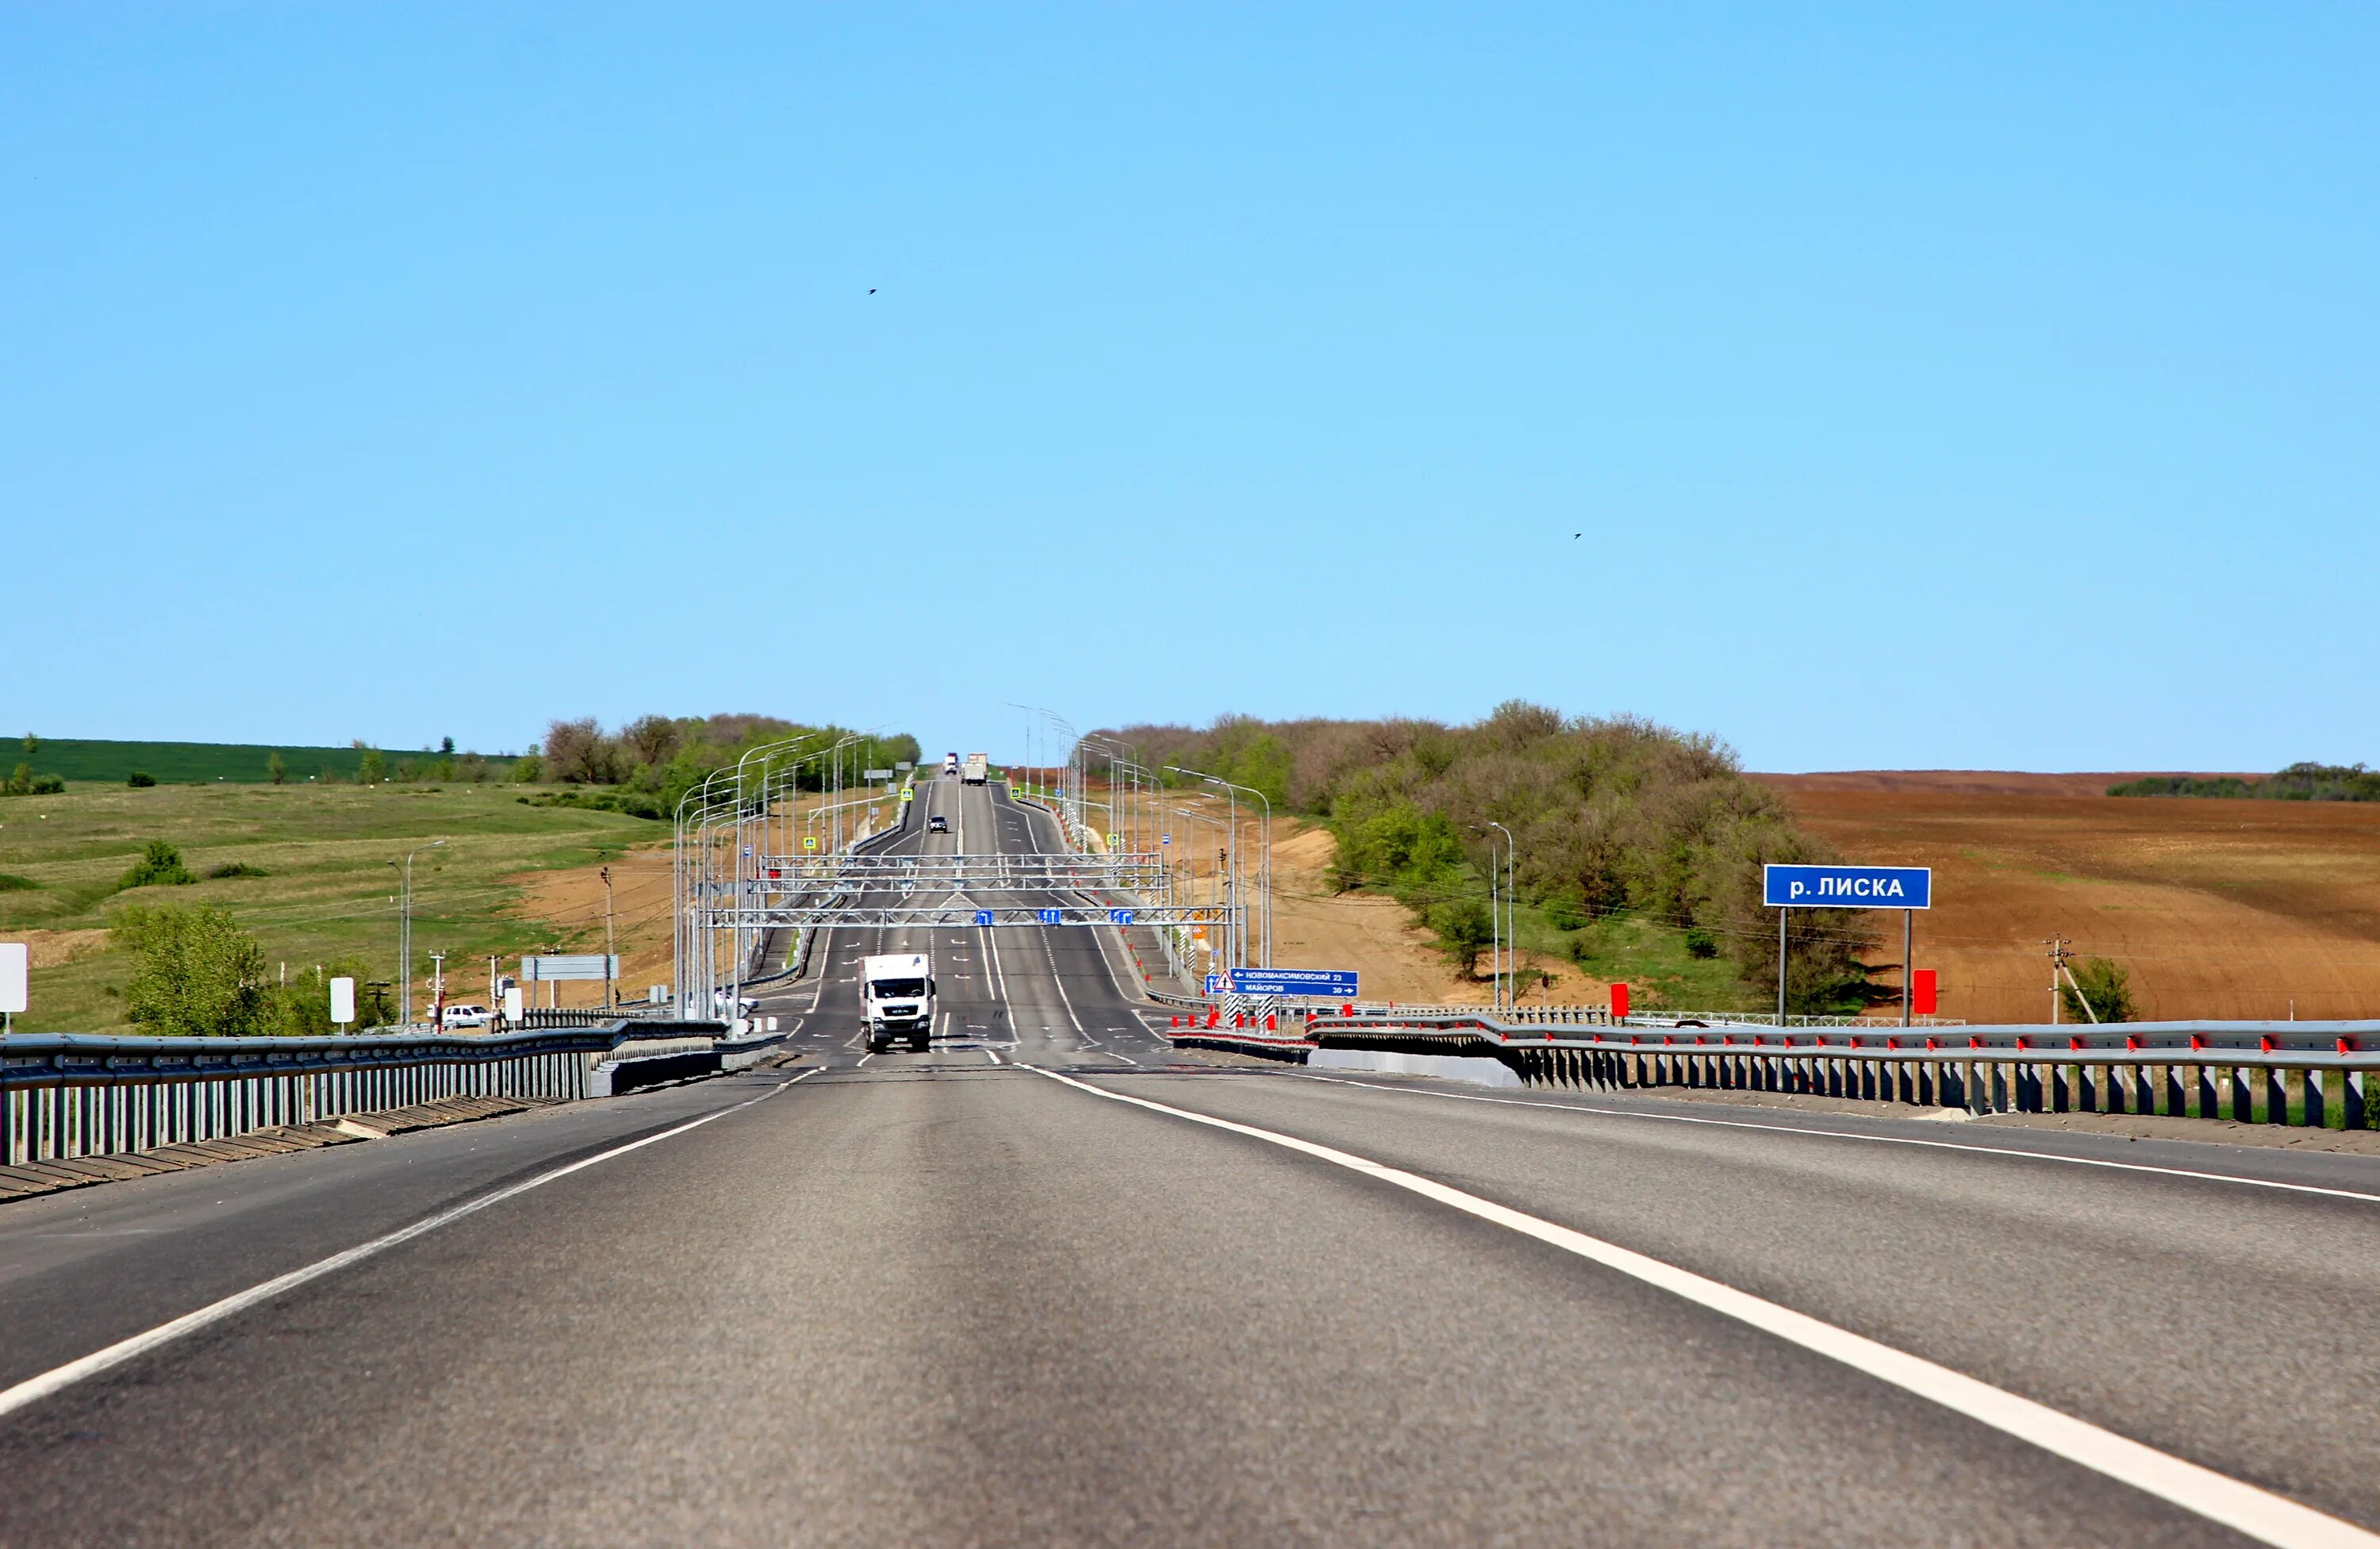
x=160, y=866
x=276, y=771
x=20, y=781
x=48, y=785
x=528, y=769
x=373, y=769
x=446, y=746
x=195, y=973
x=141, y=779
x=32, y=745
x=1464, y=929
x=2104, y=984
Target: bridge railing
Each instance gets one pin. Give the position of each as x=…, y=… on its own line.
x=2302, y=1073
x=63, y=1095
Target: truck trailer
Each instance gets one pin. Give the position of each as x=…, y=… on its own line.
x=978, y=771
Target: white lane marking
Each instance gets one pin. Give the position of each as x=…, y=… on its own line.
x=994, y=1055
x=33, y=1390
x=1112, y=1054
x=866, y=1058
x=2260, y=1514
x=1864, y=1139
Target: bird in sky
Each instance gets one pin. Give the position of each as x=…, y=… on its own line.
x=1575, y=534
x=871, y=290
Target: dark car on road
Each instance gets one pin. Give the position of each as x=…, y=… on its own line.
x=938, y=824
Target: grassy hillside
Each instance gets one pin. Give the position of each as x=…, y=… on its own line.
x=177, y=764
x=327, y=890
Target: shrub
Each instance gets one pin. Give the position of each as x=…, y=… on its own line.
x=11, y=883
x=528, y=769
x=1464, y=931
x=237, y=869
x=19, y=781
x=160, y=866
x=2104, y=984
x=49, y=785
x=195, y=973
x=141, y=779
x=1701, y=943
x=275, y=770
x=372, y=768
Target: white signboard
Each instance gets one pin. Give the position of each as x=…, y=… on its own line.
x=342, y=1001
x=512, y=1002
x=15, y=959
x=570, y=964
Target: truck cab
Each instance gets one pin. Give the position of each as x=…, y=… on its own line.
x=896, y=1000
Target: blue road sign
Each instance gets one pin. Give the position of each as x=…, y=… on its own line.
x=1119, y=917
x=1051, y=916
x=1165, y=838
x=1338, y=983
x=1847, y=887
x=983, y=917
x=1214, y=983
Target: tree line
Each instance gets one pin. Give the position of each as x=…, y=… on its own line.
x=1609, y=815
x=648, y=765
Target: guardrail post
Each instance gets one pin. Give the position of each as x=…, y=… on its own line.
x=2276, y=1095
x=2314, y=1114
x=2350, y=1099
x=2243, y=1097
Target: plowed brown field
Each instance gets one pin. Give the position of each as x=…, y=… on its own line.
x=2219, y=908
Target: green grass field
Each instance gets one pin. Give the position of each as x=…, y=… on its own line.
x=328, y=892
x=183, y=763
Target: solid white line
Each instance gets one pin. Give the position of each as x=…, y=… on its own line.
x=866, y=1058
x=33, y=1390
x=2260, y=1514
x=993, y=1055
x=1866, y=1140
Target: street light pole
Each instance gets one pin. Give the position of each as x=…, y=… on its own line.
x=1264, y=854
x=404, y=937
x=1509, y=969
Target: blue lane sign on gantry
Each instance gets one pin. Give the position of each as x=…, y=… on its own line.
x=1336, y=984
x=1847, y=887
x=1051, y=916
x=983, y=917
x=1119, y=917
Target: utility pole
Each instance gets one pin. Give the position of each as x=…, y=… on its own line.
x=2058, y=965
x=610, y=994
x=438, y=991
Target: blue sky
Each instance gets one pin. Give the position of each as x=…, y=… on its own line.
x=1980, y=386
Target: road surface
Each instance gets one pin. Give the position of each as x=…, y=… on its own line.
x=970, y=1296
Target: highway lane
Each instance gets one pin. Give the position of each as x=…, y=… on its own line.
x=930, y=1298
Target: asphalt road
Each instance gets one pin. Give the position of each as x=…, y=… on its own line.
x=951, y=1298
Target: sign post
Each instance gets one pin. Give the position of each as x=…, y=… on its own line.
x=1906, y=888
x=1327, y=984
x=15, y=962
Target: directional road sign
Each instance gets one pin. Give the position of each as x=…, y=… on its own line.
x=983, y=917
x=1119, y=917
x=1052, y=916
x=1847, y=887
x=1337, y=984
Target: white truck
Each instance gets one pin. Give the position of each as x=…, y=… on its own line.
x=950, y=763
x=896, y=1000
x=978, y=771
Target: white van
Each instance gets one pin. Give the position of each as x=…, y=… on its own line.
x=896, y=1000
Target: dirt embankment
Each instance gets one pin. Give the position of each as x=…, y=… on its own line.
x=570, y=903
x=2220, y=909
x=1376, y=936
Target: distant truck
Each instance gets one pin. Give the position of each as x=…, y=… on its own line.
x=950, y=763
x=978, y=771
x=896, y=1000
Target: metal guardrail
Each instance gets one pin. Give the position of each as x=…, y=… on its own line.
x=77, y=1094
x=2249, y=1072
